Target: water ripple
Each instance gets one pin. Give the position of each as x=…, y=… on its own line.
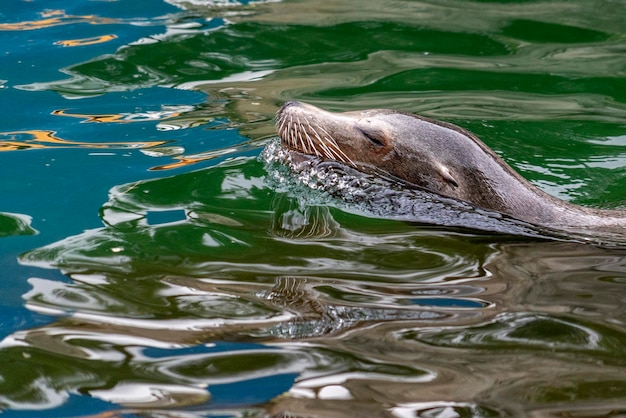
x=239, y=289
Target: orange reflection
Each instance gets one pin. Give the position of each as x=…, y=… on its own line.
x=87, y=41
x=185, y=160
x=55, y=18
x=120, y=117
x=182, y=162
x=37, y=139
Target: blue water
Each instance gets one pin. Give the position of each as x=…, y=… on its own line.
x=51, y=186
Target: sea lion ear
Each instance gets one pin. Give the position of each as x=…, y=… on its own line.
x=447, y=176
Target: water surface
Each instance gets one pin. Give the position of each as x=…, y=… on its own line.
x=153, y=262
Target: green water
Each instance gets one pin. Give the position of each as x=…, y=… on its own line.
x=154, y=265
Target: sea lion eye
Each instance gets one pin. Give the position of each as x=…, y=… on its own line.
x=373, y=137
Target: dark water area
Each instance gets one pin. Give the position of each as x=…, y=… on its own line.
x=155, y=261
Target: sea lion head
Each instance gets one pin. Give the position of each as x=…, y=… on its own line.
x=429, y=154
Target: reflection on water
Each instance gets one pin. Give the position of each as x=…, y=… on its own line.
x=176, y=119
x=167, y=112
x=87, y=41
x=52, y=18
x=15, y=224
x=36, y=139
x=223, y=287
x=196, y=286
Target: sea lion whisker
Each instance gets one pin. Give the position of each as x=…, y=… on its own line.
x=327, y=145
x=317, y=135
x=330, y=145
x=330, y=154
x=279, y=119
x=307, y=145
x=281, y=125
x=332, y=142
x=292, y=139
x=303, y=144
x=341, y=156
x=297, y=142
x=290, y=128
x=286, y=135
x=346, y=159
x=325, y=131
x=309, y=140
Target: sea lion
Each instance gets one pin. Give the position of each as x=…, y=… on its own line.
x=436, y=156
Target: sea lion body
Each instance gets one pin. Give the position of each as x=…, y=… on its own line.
x=437, y=156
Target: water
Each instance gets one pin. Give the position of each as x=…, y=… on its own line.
x=154, y=265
